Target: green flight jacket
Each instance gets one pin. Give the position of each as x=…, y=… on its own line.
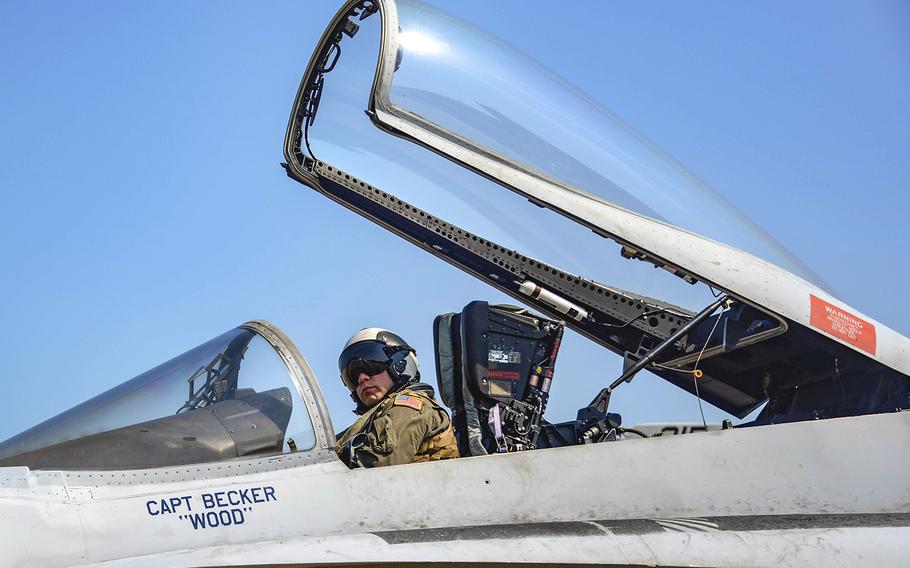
x=406, y=426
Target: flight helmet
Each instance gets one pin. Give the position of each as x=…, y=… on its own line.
x=372, y=351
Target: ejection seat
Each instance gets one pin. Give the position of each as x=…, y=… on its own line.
x=494, y=367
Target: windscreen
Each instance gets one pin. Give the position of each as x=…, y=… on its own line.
x=454, y=77
x=229, y=397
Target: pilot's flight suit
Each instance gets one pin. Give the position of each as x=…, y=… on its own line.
x=405, y=427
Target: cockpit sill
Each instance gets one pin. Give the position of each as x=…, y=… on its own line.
x=65, y=483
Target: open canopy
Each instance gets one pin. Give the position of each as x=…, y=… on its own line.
x=429, y=78
x=462, y=91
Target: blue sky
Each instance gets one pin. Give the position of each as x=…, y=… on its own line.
x=144, y=210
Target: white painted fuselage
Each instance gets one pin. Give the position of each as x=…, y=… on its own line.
x=811, y=493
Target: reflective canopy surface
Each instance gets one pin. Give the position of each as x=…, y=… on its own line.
x=229, y=397
x=457, y=78
x=344, y=136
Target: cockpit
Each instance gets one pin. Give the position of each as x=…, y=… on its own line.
x=249, y=393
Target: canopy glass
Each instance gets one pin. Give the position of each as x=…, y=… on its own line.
x=455, y=80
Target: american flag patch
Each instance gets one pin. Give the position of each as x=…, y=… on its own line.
x=405, y=400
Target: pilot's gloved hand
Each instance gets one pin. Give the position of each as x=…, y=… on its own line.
x=349, y=452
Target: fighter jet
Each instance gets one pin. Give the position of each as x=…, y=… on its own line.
x=224, y=456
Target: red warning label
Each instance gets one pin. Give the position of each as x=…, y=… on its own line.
x=510, y=375
x=841, y=324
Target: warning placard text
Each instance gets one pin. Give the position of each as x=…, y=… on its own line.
x=842, y=324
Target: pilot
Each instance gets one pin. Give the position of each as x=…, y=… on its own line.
x=399, y=419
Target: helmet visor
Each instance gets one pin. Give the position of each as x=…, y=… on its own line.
x=368, y=357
